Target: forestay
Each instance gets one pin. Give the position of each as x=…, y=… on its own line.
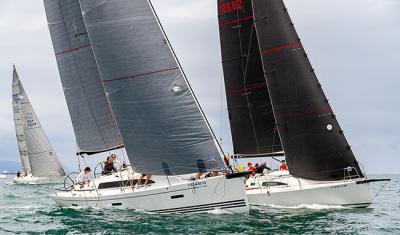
x=162, y=126
x=19, y=126
x=94, y=125
x=312, y=139
x=42, y=158
x=250, y=112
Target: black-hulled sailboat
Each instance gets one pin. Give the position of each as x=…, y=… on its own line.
x=275, y=103
x=156, y=114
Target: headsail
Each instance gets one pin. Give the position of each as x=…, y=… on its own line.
x=160, y=121
x=94, y=125
x=312, y=139
x=42, y=158
x=250, y=112
x=19, y=125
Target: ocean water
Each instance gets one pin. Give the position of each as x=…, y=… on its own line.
x=30, y=210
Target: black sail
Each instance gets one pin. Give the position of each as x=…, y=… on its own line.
x=312, y=139
x=250, y=113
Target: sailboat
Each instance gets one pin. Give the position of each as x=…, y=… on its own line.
x=277, y=108
x=40, y=164
x=116, y=51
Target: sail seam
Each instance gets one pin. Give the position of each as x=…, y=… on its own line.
x=140, y=75
x=280, y=48
x=325, y=109
x=247, y=88
x=72, y=49
x=237, y=20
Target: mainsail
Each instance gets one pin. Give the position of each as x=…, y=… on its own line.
x=36, y=147
x=94, y=124
x=19, y=125
x=161, y=123
x=250, y=112
x=312, y=139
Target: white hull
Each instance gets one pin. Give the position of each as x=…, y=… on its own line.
x=295, y=191
x=2, y=176
x=29, y=179
x=179, y=195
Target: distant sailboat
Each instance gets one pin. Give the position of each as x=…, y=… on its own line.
x=149, y=100
x=276, y=103
x=40, y=164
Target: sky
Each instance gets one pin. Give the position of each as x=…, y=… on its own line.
x=353, y=46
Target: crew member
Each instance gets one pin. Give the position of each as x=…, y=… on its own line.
x=84, y=176
x=283, y=166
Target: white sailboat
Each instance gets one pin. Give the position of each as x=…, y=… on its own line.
x=276, y=104
x=40, y=164
x=121, y=45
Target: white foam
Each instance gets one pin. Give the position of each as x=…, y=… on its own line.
x=218, y=211
x=307, y=206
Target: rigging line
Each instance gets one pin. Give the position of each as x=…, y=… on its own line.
x=221, y=104
x=187, y=82
x=244, y=69
x=111, y=118
x=79, y=77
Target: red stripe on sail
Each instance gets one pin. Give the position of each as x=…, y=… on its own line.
x=280, y=48
x=73, y=49
x=247, y=88
x=237, y=21
x=323, y=110
x=140, y=74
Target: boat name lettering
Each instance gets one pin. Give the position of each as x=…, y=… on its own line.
x=339, y=186
x=193, y=184
x=230, y=6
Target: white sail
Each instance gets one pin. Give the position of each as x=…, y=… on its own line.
x=42, y=159
x=19, y=126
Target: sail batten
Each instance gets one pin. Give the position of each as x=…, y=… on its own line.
x=250, y=112
x=92, y=119
x=313, y=141
x=160, y=121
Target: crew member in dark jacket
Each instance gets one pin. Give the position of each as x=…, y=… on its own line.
x=109, y=166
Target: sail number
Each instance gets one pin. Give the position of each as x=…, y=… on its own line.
x=29, y=120
x=15, y=98
x=230, y=6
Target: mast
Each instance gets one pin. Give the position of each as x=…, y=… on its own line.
x=42, y=159
x=160, y=121
x=93, y=121
x=250, y=111
x=314, y=144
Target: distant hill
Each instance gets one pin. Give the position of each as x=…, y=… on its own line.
x=9, y=166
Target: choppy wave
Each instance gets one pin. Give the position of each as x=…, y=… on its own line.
x=29, y=209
